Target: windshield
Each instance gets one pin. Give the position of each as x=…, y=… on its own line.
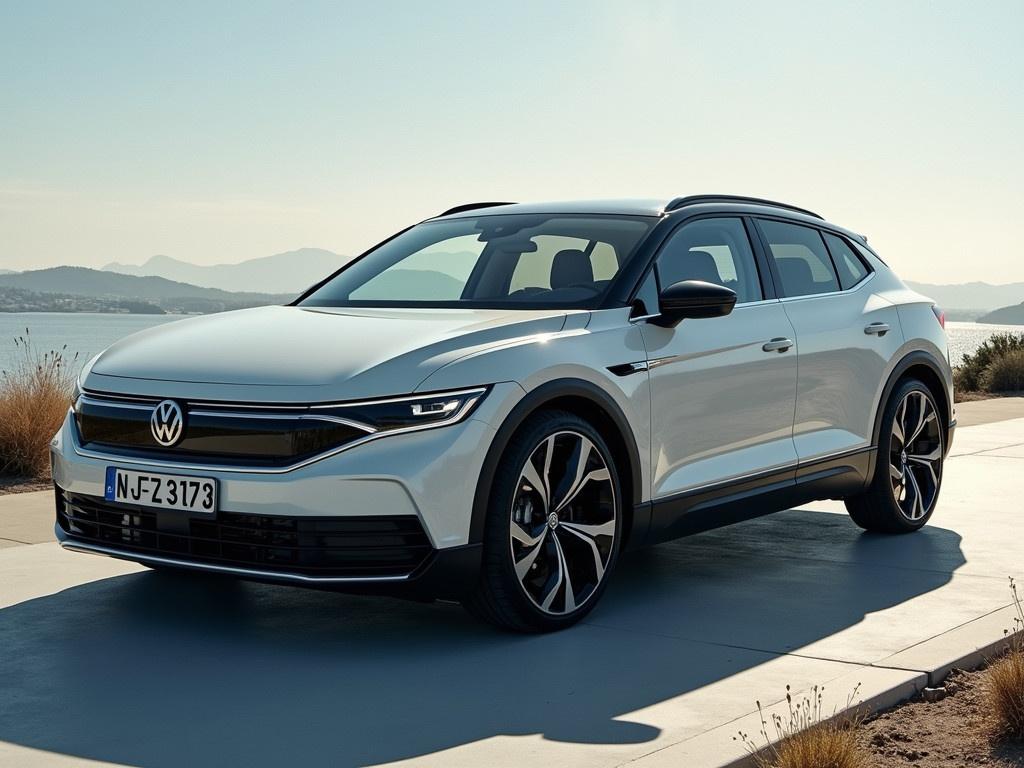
x=528, y=261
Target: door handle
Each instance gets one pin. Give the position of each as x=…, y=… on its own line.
x=877, y=329
x=778, y=344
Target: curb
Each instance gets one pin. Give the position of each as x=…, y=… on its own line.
x=882, y=685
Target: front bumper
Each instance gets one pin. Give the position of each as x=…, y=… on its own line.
x=428, y=478
x=445, y=574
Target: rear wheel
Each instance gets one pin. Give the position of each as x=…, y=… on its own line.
x=908, y=468
x=553, y=526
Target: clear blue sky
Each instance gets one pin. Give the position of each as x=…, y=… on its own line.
x=219, y=132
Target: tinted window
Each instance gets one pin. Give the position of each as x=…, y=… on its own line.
x=647, y=296
x=803, y=261
x=713, y=250
x=849, y=266
x=509, y=260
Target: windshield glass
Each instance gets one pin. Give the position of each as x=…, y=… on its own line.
x=513, y=260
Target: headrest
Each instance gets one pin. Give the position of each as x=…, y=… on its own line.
x=700, y=265
x=797, y=278
x=571, y=267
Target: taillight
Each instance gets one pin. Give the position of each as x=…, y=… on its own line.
x=939, y=315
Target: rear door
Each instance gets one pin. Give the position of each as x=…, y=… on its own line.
x=846, y=335
x=722, y=389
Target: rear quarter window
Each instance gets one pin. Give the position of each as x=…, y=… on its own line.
x=849, y=265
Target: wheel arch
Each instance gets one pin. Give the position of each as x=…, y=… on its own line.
x=588, y=401
x=925, y=367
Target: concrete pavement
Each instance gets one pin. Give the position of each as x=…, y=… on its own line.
x=987, y=411
x=106, y=661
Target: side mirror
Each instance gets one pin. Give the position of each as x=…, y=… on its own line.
x=693, y=299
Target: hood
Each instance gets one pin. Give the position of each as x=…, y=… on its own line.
x=304, y=353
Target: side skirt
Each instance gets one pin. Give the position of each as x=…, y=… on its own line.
x=705, y=509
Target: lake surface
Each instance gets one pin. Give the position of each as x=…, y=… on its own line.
x=86, y=333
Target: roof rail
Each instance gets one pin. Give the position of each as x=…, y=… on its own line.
x=680, y=202
x=470, y=207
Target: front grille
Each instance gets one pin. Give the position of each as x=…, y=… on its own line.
x=213, y=434
x=370, y=546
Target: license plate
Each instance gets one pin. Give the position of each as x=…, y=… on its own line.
x=148, y=489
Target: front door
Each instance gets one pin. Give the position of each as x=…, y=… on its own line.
x=722, y=389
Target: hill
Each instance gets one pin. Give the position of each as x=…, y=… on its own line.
x=1005, y=316
x=976, y=295
x=157, y=291
x=290, y=272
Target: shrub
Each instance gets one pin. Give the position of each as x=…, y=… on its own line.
x=34, y=397
x=807, y=738
x=1005, y=374
x=968, y=376
x=1004, y=680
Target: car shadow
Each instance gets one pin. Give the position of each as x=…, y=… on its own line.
x=164, y=669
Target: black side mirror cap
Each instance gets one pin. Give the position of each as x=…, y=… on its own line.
x=693, y=299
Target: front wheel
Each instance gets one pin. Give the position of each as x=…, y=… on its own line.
x=553, y=526
x=908, y=468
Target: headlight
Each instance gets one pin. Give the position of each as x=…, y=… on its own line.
x=408, y=413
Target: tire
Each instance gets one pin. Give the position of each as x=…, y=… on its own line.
x=547, y=562
x=904, y=490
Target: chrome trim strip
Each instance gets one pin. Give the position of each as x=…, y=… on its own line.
x=298, y=578
x=847, y=292
x=282, y=416
x=115, y=459
x=131, y=406
x=233, y=415
x=92, y=396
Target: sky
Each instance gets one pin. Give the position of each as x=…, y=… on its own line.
x=217, y=132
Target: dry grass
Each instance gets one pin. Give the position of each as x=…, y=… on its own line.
x=1005, y=373
x=34, y=398
x=808, y=738
x=969, y=374
x=1004, y=680
x=821, y=746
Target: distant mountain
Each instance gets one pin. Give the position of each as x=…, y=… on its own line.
x=167, y=294
x=1005, y=316
x=290, y=272
x=980, y=296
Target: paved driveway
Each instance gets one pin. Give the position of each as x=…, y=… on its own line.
x=106, y=661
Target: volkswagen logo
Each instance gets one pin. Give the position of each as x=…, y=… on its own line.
x=167, y=423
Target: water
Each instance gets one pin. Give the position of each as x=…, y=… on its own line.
x=87, y=333
x=965, y=338
x=84, y=332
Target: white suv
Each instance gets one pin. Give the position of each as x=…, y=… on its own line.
x=491, y=405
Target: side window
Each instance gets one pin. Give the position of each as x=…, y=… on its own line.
x=648, y=296
x=800, y=254
x=851, y=269
x=604, y=261
x=713, y=250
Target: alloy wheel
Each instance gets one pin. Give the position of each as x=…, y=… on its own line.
x=915, y=455
x=563, y=519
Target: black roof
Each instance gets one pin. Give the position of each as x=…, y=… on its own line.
x=645, y=207
x=655, y=207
